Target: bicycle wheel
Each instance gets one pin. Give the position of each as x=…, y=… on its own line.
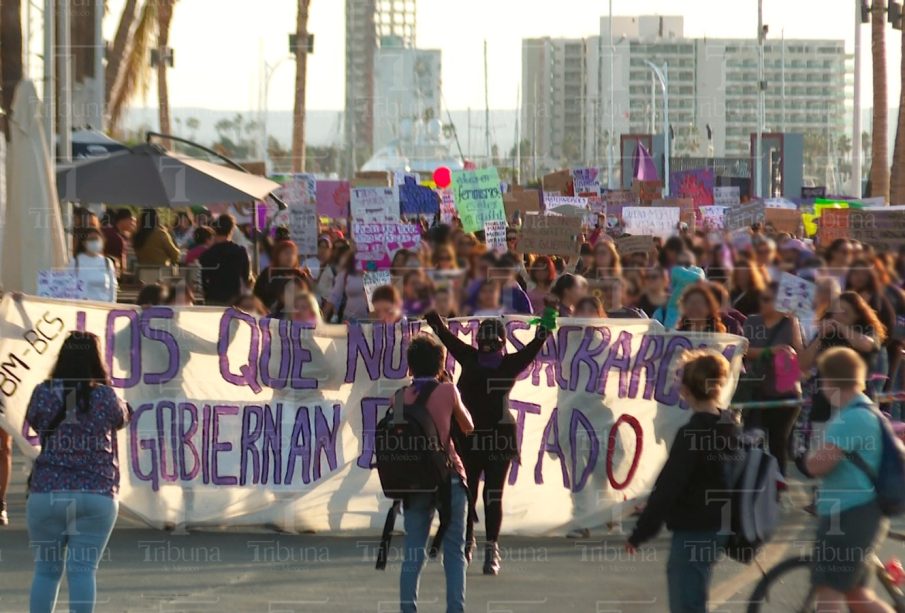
x=785, y=588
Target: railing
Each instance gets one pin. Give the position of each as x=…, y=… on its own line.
x=881, y=397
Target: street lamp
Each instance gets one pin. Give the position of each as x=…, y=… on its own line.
x=662, y=75
x=269, y=69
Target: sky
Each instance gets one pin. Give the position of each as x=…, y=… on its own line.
x=220, y=45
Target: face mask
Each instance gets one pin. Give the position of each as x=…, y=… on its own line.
x=93, y=246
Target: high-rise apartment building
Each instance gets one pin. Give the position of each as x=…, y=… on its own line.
x=370, y=25
x=712, y=90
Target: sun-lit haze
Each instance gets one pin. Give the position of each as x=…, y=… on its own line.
x=219, y=53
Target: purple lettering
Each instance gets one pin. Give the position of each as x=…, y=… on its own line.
x=325, y=439
x=185, y=436
x=551, y=446
x=579, y=419
x=248, y=439
x=299, y=447
x=218, y=446
x=357, y=346
x=648, y=352
x=134, y=332
x=273, y=443
x=521, y=408
x=369, y=409
x=248, y=372
x=278, y=382
x=163, y=337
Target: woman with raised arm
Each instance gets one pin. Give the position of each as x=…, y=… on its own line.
x=488, y=375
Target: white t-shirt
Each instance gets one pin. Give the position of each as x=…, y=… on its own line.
x=99, y=275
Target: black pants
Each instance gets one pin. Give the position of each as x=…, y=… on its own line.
x=778, y=424
x=495, y=471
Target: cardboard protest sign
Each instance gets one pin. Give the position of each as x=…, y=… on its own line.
x=696, y=184
x=586, y=181
x=550, y=235
x=375, y=204
x=727, y=196
x=333, y=199
x=372, y=279
x=796, y=296
x=833, y=224
x=62, y=284
x=318, y=392
x=524, y=201
x=647, y=191
x=495, y=235
x=478, y=197
x=401, y=177
x=297, y=189
x=377, y=242
x=783, y=220
x=882, y=229
x=559, y=182
x=418, y=200
x=374, y=178
x=623, y=197
x=712, y=218
x=303, y=228
x=743, y=216
x=657, y=221
x=634, y=244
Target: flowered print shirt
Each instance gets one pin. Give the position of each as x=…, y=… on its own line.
x=80, y=454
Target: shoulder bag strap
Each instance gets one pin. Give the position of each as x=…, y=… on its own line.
x=855, y=458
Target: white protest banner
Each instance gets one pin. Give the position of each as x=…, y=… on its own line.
x=239, y=421
x=58, y=283
x=796, y=296
x=727, y=196
x=653, y=220
x=375, y=204
x=495, y=235
x=373, y=279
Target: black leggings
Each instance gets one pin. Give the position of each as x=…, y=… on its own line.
x=495, y=471
x=778, y=424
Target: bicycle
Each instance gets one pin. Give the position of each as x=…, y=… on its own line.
x=787, y=586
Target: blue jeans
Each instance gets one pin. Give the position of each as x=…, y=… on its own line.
x=68, y=529
x=418, y=514
x=690, y=567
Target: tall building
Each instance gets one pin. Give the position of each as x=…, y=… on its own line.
x=554, y=92
x=370, y=25
x=407, y=89
x=712, y=89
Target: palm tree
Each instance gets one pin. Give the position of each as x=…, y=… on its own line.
x=112, y=73
x=164, y=18
x=133, y=74
x=301, y=75
x=10, y=55
x=897, y=185
x=879, y=169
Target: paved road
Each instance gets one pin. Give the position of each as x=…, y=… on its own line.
x=147, y=571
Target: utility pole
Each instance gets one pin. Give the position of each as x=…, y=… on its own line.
x=50, y=76
x=761, y=102
x=610, y=172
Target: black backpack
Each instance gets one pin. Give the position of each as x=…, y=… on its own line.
x=411, y=458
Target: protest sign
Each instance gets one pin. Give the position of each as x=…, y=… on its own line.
x=376, y=243
x=559, y=182
x=657, y=221
x=495, y=235
x=712, y=218
x=783, y=220
x=59, y=283
x=333, y=199
x=696, y=184
x=401, y=177
x=833, y=224
x=687, y=209
x=297, y=189
x=743, y=216
x=634, y=244
x=586, y=181
x=478, y=197
x=240, y=421
x=796, y=296
x=647, y=191
x=554, y=201
x=418, y=200
x=727, y=196
x=882, y=229
x=447, y=206
x=375, y=204
x=372, y=178
x=371, y=280
x=550, y=235
x=524, y=201
x=303, y=228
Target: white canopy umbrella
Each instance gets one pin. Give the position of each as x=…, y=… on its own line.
x=33, y=237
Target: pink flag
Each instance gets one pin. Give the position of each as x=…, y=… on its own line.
x=645, y=169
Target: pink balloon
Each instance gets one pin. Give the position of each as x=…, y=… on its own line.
x=442, y=177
